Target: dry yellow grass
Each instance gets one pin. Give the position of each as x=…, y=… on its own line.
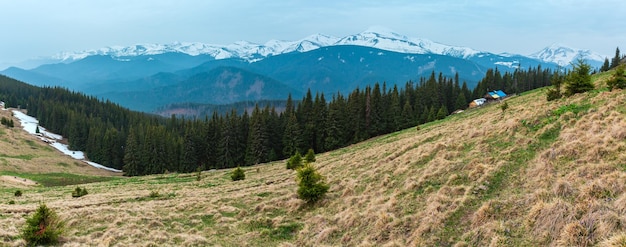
x=21, y=152
x=480, y=178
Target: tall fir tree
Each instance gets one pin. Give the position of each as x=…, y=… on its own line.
x=616, y=60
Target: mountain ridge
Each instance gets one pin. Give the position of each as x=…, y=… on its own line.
x=377, y=37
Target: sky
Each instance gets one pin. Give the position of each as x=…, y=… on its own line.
x=37, y=28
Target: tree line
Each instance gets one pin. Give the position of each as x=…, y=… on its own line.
x=141, y=143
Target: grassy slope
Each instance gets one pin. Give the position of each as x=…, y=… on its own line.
x=542, y=173
x=21, y=153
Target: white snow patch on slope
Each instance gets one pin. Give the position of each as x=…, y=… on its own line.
x=30, y=124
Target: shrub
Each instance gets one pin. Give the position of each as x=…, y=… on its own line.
x=17, y=193
x=238, y=174
x=43, y=228
x=618, y=80
x=295, y=161
x=154, y=194
x=199, y=173
x=310, y=156
x=504, y=106
x=311, y=186
x=554, y=93
x=79, y=192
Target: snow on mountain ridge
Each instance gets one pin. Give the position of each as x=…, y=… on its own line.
x=376, y=37
x=564, y=55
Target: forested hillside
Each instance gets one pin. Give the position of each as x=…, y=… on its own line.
x=143, y=144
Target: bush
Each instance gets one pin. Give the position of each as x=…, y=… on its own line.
x=43, y=228
x=310, y=156
x=6, y=122
x=238, y=174
x=504, y=106
x=79, y=192
x=311, y=186
x=295, y=161
x=553, y=94
x=17, y=193
x=199, y=173
x=618, y=80
x=154, y=194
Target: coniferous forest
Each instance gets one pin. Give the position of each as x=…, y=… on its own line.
x=141, y=143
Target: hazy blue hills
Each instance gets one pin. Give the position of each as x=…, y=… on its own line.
x=150, y=76
x=221, y=85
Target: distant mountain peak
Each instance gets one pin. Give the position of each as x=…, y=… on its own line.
x=379, y=37
x=384, y=31
x=564, y=55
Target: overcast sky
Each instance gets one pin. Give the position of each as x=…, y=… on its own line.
x=43, y=28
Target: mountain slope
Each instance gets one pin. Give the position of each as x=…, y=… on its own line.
x=319, y=62
x=328, y=70
x=564, y=56
x=24, y=153
x=539, y=174
x=220, y=85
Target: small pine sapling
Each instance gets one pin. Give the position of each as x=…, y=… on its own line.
x=310, y=156
x=79, y=192
x=504, y=106
x=43, y=228
x=295, y=161
x=17, y=193
x=618, y=80
x=311, y=185
x=199, y=173
x=238, y=174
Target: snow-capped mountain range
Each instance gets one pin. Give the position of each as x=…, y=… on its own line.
x=375, y=37
x=563, y=55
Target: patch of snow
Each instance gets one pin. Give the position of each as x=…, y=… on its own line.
x=96, y=165
x=30, y=124
x=426, y=67
x=507, y=64
x=452, y=69
x=65, y=149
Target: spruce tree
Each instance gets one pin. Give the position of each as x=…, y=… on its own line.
x=616, y=60
x=257, y=148
x=311, y=185
x=605, y=65
x=618, y=80
x=310, y=156
x=579, y=79
x=292, y=137
x=238, y=174
x=43, y=228
x=461, y=101
x=442, y=112
x=295, y=161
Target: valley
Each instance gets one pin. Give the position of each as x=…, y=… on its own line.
x=537, y=173
x=140, y=77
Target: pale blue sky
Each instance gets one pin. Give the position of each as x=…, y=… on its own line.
x=32, y=28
